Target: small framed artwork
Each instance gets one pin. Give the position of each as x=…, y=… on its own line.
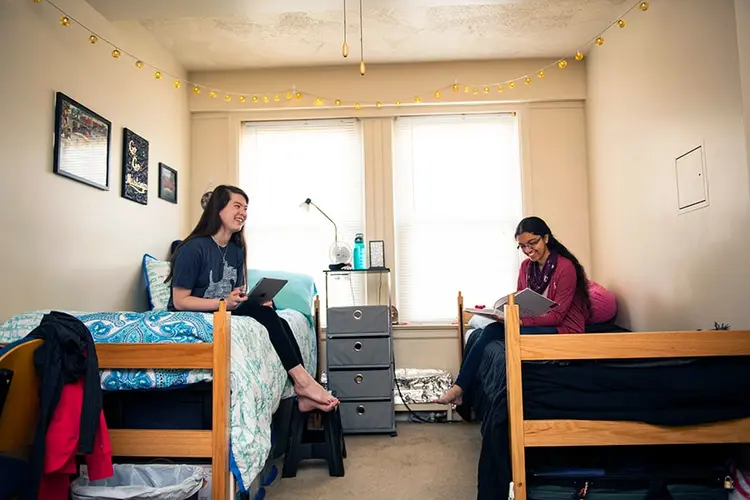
x=167, y=183
x=377, y=254
x=134, y=167
x=81, y=143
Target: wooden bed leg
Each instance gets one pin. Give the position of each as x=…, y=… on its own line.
x=461, y=329
x=220, y=435
x=515, y=397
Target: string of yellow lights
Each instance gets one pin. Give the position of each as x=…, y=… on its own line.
x=293, y=93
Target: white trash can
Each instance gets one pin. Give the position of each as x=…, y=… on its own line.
x=143, y=482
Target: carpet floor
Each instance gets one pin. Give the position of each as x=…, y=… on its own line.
x=425, y=461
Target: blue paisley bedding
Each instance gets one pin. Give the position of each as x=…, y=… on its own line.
x=258, y=379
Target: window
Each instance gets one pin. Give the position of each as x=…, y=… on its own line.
x=281, y=165
x=457, y=201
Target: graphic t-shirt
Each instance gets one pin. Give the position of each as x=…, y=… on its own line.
x=209, y=270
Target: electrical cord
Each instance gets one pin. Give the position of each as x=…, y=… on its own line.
x=398, y=388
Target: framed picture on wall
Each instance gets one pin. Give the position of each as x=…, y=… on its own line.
x=81, y=143
x=134, y=167
x=167, y=183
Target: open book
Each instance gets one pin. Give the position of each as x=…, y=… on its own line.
x=530, y=305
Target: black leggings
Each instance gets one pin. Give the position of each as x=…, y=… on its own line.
x=279, y=332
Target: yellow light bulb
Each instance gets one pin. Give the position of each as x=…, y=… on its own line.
x=265, y=98
x=65, y=21
x=337, y=102
x=116, y=54
x=196, y=90
x=455, y=87
x=276, y=98
x=398, y=103
x=242, y=98
x=227, y=97
x=527, y=80
x=643, y=6
x=541, y=74
x=562, y=64
x=475, y=91
x=157, y=75
x=467, y=89
x=437, y=94
x=486, y=90
x=500, y=88
x=289, y=95
x=345, y=50
x=512, y=85
x=37, y=1
x=579, y=56
x=621, y=23
x=357, y=105
x=213, y=94
x=255, y=98
x=379, y=104
x=318, y=101
x=93, y=39
x=177, y=84
x=362, y=68
x=298, y=95
x=599, y=41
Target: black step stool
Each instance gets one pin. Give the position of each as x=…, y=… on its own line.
x=307, y=444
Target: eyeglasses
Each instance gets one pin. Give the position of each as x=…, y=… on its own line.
x=530, y=244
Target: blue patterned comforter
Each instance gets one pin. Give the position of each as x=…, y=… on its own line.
x=258, y=379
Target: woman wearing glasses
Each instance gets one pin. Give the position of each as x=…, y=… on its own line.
x=550, y=270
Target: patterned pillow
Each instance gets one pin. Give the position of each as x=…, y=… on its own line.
x=156, y=271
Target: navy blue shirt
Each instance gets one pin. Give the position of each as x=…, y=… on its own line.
x=207, y=269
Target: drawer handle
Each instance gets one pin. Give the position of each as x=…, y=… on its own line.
x=360, y=410
x=358, y=346
x=357, y=314
x=358, y=379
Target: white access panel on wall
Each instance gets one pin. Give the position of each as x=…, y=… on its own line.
x=692, y=189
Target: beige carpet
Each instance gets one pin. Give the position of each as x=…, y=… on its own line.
x=425, y=461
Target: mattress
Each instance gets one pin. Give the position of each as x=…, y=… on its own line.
x=258, y=379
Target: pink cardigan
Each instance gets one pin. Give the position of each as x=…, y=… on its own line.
x=568, y=316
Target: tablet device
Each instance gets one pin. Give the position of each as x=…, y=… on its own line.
x=266, y=289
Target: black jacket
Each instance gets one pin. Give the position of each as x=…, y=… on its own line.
x=67, y=354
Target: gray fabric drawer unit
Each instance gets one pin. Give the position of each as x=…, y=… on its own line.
x=359, y=367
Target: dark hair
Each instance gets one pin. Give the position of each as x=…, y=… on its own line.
x=537, y=226
x=210, y=223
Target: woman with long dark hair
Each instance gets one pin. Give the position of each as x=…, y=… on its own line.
x=550, y=270
x=210, y=265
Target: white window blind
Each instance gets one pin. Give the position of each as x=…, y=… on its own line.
x=458, y=199
x=281, y=165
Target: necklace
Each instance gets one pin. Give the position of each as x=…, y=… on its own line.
x=218, y=247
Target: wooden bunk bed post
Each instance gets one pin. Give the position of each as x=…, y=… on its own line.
x=220, y=432
x=515, y=397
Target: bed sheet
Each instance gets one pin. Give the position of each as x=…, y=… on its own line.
x=258, y=379
x=667, y=392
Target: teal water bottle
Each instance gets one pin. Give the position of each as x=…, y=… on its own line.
x=359, y=251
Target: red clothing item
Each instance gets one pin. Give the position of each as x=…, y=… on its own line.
x=569, y=315
x=61, y=445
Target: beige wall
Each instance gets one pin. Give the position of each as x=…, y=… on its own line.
x=742, y=12
x=655, y=90
x=67, y=245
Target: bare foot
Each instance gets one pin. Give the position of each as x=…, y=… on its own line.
x=307, y=404
x=305, y=385
x=454, y=395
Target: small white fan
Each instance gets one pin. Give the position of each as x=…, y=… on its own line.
x=340, y=253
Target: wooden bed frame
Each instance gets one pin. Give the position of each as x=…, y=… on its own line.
x=630, y=345
x=215, y=356
x=538, y=433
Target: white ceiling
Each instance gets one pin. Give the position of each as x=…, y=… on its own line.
x=235, y=34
